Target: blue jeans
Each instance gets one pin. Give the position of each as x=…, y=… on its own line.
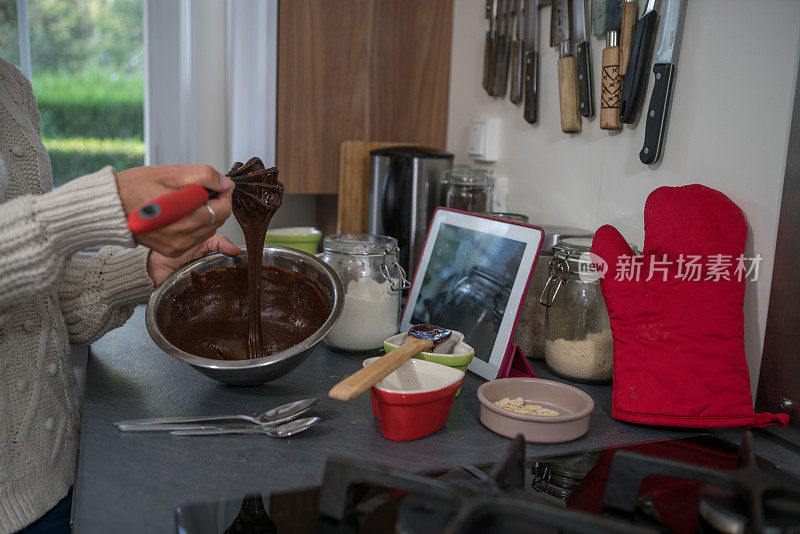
x=55, y=521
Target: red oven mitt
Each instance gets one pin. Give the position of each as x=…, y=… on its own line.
x=678, y=336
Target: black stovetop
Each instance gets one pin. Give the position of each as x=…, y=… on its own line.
x=658, y=486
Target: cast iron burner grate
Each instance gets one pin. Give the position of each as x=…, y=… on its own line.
x=759, y=488
x=497, y=503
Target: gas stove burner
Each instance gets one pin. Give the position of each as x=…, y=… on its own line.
x=497, y=504
x=560, y=476
x=725, y=511
x=747, y=499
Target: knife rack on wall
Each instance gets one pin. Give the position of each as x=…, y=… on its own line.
x=626, y=57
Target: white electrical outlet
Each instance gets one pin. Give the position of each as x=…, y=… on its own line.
x=484, y=142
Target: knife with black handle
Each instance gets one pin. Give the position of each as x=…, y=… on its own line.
x=657, y=113
x=583, y=57
x=664, y=71
x=636, y=77
x=531, y=53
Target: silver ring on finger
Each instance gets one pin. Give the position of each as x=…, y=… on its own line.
x=213, y=215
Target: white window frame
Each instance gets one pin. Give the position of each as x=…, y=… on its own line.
x=24, y=38
x=210, y=89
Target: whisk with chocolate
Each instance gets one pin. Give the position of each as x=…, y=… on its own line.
x=256, y=197
x=238, y=312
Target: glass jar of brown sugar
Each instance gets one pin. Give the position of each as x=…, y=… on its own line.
x=468, y=189
x=529, y=334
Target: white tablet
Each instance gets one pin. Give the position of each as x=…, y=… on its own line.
x=472, y=277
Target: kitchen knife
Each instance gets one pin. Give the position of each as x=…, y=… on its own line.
x=664, y=71
x=165, y=209
x=630, y=10
x=567, y=66
x=607, y=19
x=491, y=39
x=636, y=77
x=517, y=59
x=531, y=47
x=502, y=49
x=583, y=57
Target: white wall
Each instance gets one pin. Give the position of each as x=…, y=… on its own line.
x=728, y=129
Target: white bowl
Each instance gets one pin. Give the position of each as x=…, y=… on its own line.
x=417, y=376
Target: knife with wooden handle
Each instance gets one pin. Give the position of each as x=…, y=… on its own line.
x=531, y=56
x=606, y=19
x=560, y=30
x=517, y=59
x=664, y=71
x=630, y=10
x=638, y=66
x=502, y=49
x=488, y=50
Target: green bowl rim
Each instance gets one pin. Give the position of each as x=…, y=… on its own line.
x=450, y=360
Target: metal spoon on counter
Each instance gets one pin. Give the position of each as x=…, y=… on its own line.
x=281, y=431
x=275, y=416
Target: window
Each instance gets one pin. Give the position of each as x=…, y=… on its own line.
x=124, y=82
x=87, y=71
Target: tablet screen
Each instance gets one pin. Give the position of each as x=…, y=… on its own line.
x=467, y=283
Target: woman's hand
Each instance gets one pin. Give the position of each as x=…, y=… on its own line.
x=140, y=184
x=159, y=267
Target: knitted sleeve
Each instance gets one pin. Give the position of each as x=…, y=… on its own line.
x=39, y=233
x=101, y=289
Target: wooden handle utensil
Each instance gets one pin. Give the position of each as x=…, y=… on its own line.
x=630, y=10
x=568, y=94
x=611, y=93
x=421, y=338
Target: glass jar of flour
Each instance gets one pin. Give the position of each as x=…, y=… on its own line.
x=373, y=282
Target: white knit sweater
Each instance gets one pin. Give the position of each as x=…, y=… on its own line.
x=51, y=294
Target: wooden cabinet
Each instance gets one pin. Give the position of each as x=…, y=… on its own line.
x=361, y=70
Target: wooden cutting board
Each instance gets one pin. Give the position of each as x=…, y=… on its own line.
x=354, y=182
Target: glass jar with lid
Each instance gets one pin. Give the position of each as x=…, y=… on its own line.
x=577, y=331
x=467, y=189
x=513, y=217
x=373, y=282
x=529, y=334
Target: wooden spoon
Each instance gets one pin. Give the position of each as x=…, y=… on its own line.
x=421, y=338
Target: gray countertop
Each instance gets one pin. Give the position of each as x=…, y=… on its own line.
x=134, y=482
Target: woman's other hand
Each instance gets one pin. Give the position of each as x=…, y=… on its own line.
x=140, y=184
x=159, y=267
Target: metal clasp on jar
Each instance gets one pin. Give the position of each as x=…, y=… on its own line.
x=559, y=272
x=404, y=283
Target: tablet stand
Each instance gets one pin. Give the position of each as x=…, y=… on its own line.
x=515, y=363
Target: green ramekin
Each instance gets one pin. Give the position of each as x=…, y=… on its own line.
x=305, y=238
x=461, y=358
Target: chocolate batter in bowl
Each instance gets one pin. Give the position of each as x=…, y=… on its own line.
x=263, y=312
x=171, y=311
x=209, y=316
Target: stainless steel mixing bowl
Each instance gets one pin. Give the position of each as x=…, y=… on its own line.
x=258, y=370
